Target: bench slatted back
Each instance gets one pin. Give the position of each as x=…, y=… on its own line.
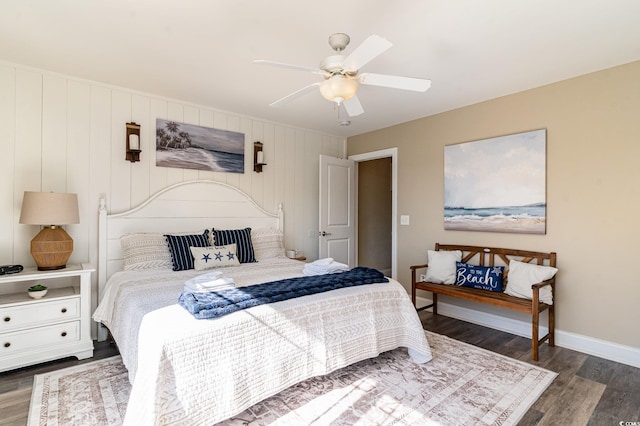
x=486, y=256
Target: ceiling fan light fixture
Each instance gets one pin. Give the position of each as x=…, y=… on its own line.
x=338, y=88
x=342, y=77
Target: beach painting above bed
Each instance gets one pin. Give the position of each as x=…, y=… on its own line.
x=187, y=146
x=497, y=184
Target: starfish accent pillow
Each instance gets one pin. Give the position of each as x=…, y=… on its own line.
x=214, y=257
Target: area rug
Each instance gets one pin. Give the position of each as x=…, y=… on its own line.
x=462, y=385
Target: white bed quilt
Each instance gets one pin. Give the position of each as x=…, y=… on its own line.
x=189, y=371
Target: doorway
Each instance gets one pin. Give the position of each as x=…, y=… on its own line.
x=374, y=214
x=376, y=245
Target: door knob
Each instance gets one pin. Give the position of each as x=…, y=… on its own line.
x=324, y=234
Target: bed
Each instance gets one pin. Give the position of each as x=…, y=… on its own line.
x=185, y=370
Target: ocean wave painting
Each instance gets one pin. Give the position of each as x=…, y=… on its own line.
x=188, y=146
x=497, y=185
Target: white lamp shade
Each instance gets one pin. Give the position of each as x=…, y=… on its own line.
x=49, y=208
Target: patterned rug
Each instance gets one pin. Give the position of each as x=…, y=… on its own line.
x=462, y=385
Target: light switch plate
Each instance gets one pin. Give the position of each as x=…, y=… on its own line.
x=404, y=219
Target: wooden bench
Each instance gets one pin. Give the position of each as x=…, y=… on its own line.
x=489, y=256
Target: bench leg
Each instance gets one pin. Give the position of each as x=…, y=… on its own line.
x=413, y=287
x=552, y=326
x=434, y=297
x=534, y=334
x=413, y=295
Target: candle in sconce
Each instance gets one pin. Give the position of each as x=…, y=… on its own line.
x=134, y=142
x=260, y=157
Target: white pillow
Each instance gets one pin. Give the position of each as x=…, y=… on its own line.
x=268, y=243
x=442, y=266
x=145, y=251
x=523, y=275
x=214, y=257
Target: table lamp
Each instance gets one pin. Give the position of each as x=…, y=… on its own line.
x=52, y=246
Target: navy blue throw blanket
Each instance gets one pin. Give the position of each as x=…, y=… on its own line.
x=219, y=303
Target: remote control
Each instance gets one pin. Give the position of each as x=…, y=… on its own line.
x=10, y=269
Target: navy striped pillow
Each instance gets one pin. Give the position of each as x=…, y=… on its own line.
x=179, y=248
x=241, y=238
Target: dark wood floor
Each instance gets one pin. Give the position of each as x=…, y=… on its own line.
x=587, y=391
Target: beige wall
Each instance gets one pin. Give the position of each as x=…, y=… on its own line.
x=593, y=191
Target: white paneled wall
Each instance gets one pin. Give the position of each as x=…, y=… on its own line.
x=63, y=134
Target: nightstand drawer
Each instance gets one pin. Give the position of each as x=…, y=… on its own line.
x=40, y=312
x=40, y=336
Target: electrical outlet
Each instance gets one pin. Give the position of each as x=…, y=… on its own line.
x=423, y=277
x=404, y=219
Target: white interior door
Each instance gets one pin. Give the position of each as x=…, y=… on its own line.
x=337, y=210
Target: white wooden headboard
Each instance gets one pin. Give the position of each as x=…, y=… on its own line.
x=184, y=207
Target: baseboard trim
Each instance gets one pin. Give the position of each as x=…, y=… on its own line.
x=585, y=344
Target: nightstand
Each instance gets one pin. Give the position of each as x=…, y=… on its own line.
x=56, y=326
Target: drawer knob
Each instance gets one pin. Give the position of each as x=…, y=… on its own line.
x=63, y=334
x=7, y=344
x=64, y=310
x=7, y=319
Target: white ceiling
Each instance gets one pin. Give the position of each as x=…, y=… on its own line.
x=201, y=51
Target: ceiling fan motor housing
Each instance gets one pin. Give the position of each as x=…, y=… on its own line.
x=333, y=64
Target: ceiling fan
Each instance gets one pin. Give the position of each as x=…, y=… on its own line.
x=341, y=75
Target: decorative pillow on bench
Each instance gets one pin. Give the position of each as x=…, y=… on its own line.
x=481, y=277
x=442, y=266
x=523, y=275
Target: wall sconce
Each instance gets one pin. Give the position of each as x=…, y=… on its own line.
x=258, y=157
x=133, y=142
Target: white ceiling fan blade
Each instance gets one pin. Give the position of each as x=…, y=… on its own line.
x=289, y=66
x=294, y=95
x=353, y=106
x=395, y=82
x=373, y=46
